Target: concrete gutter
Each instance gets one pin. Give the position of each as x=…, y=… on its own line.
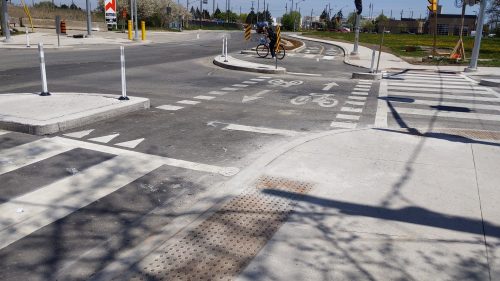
x=33, y=114
x=236, y=64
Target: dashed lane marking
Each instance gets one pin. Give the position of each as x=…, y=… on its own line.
x=240, y=85
x=170, y=107
x=217, y=93
x=191, y=102
x=229, y=89
x=249, y=82
x=204, y=97
x=79, y=134
x=131, y=144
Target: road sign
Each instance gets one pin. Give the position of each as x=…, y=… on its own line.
x=278, y=37
x=433, y=5
x=248, y=30
x=110, y=12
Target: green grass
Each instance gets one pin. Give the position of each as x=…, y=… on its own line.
x=396, y=43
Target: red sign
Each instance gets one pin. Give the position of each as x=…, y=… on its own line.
x=110, y=6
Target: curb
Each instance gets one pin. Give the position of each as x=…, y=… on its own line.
x=36, y=127
x=490, y=82
x=259, y=68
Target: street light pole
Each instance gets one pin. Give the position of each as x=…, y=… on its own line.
x=5, y=21
x=89, y=20
x=356, y=35
x=477, y=41
x=136, y=35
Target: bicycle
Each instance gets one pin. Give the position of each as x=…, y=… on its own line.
x=263, y=49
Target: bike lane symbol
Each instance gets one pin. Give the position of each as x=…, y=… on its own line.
x=323, y=100
x=285, y=84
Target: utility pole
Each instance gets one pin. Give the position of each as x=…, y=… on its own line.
x=477, y=41
x=213, y=7
x=5, y=21
x=311, y=20
x=89, y=20
x=201, y=11
x=258, y=9
x=136, y=35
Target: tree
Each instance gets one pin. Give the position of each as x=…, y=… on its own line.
x=193, y=12
x=217, y=14
x=351, y=19
x=493, y=13
x=380, y=22
x=324, y=16
x=206, y=14
x=197, y=14
x=242, y=17
x=251, y=18
x=291, y=20
x=367, y=26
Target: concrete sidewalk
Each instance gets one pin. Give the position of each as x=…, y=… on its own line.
x=34, y=114
x=386, y=205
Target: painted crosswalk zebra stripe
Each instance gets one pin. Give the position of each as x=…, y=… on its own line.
x=472, y=106
x=29, y=153
x=229, y=89
x=351, y=109
x=447, y=114
x=347, y=117
x=204, y=97
x=356, y=98
x=309, y=56
x=363, y=86
x=264, y=77
x=257, y=79
x=439, y=86
x=250, y=82
x=361, y=103
x=240, y=85
x=439, y=82
x=50, y=203
x=170, y=107
x=328, y=57
x=345, y=125
x=441, y=90
x=361, y=89
x=217, y=93
x=442, y=96
x=359, y=93
x=191, y=102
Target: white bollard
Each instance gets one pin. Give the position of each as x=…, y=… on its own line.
x=45, y=91
x=373, y=61
x=225, y=57
x=223, y=40
x=27, y=38
x=197, y=36
x=124, y=80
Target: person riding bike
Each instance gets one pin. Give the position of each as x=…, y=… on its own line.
x=272, y=40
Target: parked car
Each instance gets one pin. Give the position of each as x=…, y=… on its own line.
x=491, y=35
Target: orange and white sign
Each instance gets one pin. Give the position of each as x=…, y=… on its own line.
x=110, y=6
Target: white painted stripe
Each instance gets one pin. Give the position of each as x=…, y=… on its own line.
x=356, y=98
x=361, y=89
x=382, y=107
x=365, y=82
x=346, y=125
x=262, y=130
x=188, y=102
x=448, y=114
x=448, y=91
x=169, y=107
x=328, y=57
x=428, y=75
x=79, y=134
x=29, y=153
x=257, y=79
x=424, y=78
x=104, y=139
x=165, y=161
x=131, y=144
x=444, y=87
x=363, y=86
x=442, y=96
x=240, y=85
x=361, y=103
x=264, y=77
x=359, y=93
x=309, y=56
x=440, y=82
x=2, y=132
x=249, y=82
x=471, y=106
x=204, y=97
x=348, y=117
x=351, y=109
x=217, y=93
x=57, y=200
x=291, y=55
x=304, y=74
x=229, y=89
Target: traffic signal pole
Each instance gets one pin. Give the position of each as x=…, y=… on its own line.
x=477, y=41
x=5, y=21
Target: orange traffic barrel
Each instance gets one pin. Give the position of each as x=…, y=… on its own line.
x=63, y=27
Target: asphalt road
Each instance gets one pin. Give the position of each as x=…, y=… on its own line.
x=199, y=113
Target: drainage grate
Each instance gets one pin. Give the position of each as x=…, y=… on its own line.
x=224, y=244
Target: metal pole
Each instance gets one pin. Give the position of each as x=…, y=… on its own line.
x=201, y=11
x=131, y=16
x=27, y=38
x=136, y=34
x=373, y=61
x=477, y=41
x=89, y=20
x=124, y=79
x=356, y=36
x=223, y=43
x=380, y=49
x=225, y=57
x=45, y=91
x=5, y=21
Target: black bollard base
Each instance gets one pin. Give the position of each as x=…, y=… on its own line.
x=44, y=94
x=123, y=98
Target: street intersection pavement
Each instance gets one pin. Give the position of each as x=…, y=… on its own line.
x=407, y=194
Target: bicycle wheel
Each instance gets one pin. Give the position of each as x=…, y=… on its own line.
x=262, y=50
x=280, y=54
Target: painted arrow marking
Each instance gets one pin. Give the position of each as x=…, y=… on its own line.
x=255, y=97
x=329, y=86
x=252, y=129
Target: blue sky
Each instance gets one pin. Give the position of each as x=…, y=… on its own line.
x=277, y=7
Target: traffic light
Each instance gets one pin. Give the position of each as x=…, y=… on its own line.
x=433, y=5
x=359, y=6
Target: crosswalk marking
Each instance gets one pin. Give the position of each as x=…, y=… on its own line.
x=204, y=97
x=131, y=144
x=217, y=93
x=361, y=89
x=328, y=57
x=29, y=153
x=240, y=85
x=346, y=125
x=348, y=117
x=356, y=98
x=415, y=77
x=265, y=77
x=360, y=93
x=229, y=89
x=441, y=82
x=351, y=109
x=249, y=82
x=309, y=56
x=104, y=139
x=258, y=79
x=170, y=107
x=442, y=96
x=355, y=103
x=471, y=106
x=191, y=102
x=365, y=82
x=79, y=134
x=439, y=86
x=50, y=203
x=363, y=86
x=442, y=90
x=459, y=115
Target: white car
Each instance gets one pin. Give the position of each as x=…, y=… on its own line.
x=491, y=35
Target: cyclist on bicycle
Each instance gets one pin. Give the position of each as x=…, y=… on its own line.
x=272, y=40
